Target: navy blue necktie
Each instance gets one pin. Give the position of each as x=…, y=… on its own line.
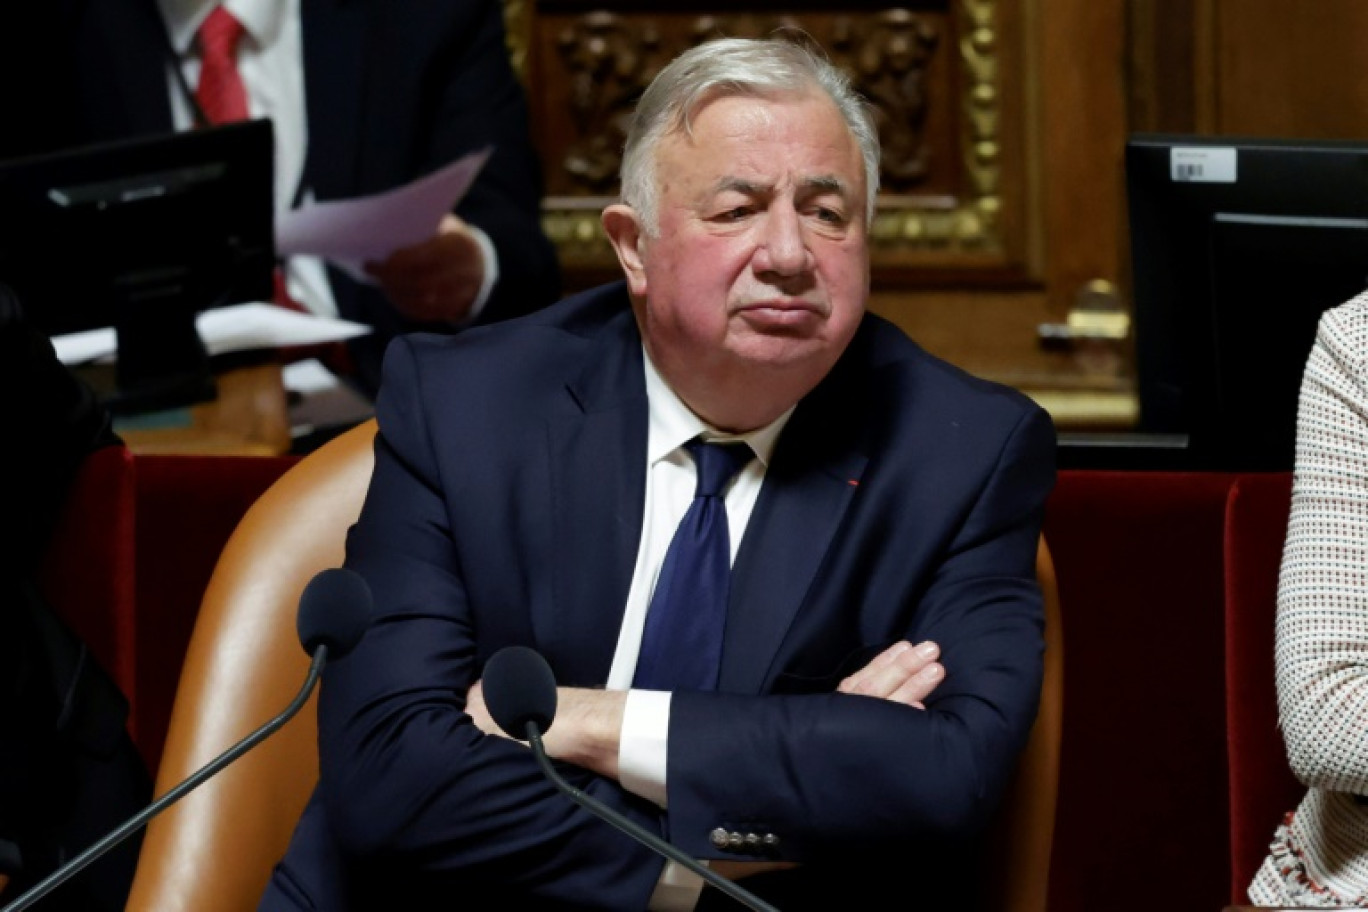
x=681, y=647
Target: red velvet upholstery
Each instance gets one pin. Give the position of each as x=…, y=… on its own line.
x=1142, y=800
x=187, y=508
x=1262, y=787
x=87, y=574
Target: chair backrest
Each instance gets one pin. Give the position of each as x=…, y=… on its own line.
x=214, y=850
x=1139, y=561
x=188, y=505
x=1024, y=835
x=1262, y=786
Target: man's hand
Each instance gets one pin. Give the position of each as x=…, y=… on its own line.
x=902, y=673
x=434, y=281
x=587, y=731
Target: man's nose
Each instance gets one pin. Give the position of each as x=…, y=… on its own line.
x=783, y=245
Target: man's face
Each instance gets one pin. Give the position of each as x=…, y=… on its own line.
x=760, y=258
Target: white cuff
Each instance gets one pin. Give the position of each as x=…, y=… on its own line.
x=491, y=273
x=642, y=755
x=644, y=746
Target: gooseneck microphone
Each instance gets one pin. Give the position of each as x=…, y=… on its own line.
x=520, y=693
x=334, y=612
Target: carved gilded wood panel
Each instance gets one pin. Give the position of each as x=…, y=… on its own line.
x=944, y=77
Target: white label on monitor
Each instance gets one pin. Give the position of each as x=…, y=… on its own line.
x=1198, y=164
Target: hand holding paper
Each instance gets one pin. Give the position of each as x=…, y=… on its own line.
x=353, y=232
x=436, y=280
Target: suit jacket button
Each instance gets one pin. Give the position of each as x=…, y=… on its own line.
x=736, y=842
x=752, y=842
x=718, y=838
x=771, y=842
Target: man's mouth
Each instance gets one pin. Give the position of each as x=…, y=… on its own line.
x=780, y=314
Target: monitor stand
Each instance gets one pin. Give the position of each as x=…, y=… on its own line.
x=162, y=361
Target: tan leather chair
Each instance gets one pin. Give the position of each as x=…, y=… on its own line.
x=1024, y=837
x=216, y=848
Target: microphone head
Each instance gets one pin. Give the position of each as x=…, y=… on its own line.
x=334, y=610
x=519, y=687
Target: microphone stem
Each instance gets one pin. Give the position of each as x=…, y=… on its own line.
x=741, y=895
x=80, y=862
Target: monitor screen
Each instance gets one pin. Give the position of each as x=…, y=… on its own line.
x=1238, y=246
x=142, y=236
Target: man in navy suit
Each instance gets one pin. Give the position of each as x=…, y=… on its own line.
x=364, y=96
x=881, y=655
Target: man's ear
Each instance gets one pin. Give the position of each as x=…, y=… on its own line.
x=623, y=227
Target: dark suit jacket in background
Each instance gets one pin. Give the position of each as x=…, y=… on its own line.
x=904, y=499
x=394, y=89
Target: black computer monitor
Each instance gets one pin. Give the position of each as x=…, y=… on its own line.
x=142, y=236
x=1238, y=246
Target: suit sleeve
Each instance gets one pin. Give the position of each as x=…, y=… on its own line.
x=834, y=774
x=406, y=776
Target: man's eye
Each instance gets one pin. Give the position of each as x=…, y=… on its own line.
x=830, y=216
x=736, y=213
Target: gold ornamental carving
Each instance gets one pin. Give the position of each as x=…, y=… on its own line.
x=609, y=62
x=518, y=33
x=610, y=58
x=889, y=55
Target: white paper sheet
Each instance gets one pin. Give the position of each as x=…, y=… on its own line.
x=353, y=232
x=225, y=329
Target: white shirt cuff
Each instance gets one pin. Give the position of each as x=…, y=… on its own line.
x=491, y=273
x=642, y=753
x=643, y=749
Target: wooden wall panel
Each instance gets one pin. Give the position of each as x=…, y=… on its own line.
x=1249, y=68
x=1285, y=70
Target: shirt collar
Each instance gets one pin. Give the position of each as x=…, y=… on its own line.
x=672, y=424
x=261, y=18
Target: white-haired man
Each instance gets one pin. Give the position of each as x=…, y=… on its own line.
x=838, y=706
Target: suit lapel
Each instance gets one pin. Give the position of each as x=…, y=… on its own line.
x=598, y=465
x=334, y=33
x=811, y=482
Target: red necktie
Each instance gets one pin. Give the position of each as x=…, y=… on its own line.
x=220, y=93
x=223, y=98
